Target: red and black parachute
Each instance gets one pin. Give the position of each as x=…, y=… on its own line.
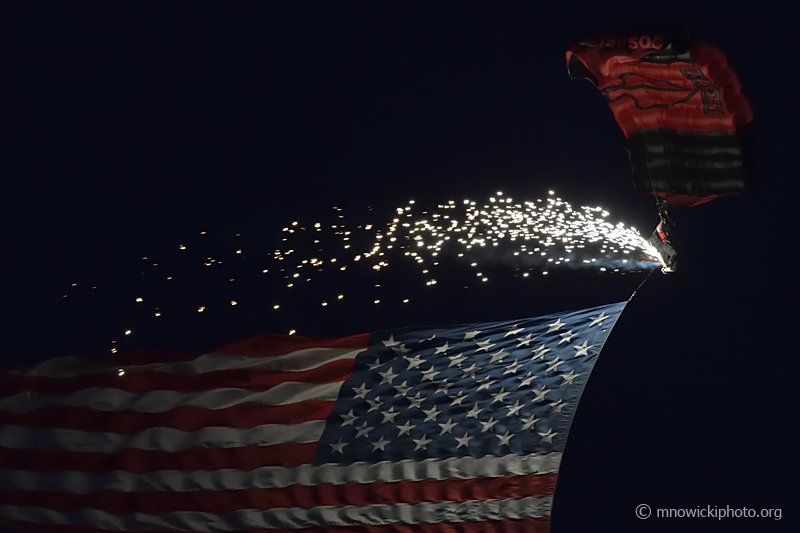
x=680, y=106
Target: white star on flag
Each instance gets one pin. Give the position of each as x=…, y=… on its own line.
x=504, y=438
x=406, y=428
x=540, y=393
x=458, y=399
x=380, y=443
x=548, y=437
x=500, y=396
x=428, y=375
x=447, y=427
x=417, y=400
x=455, y=360
x=488, y=425
x=375, y=364
x=338, y=446
x=558, y=406
x=566, y=337
x=361, y=391
x=569, y=377
x=598, y=320
x=525, y=341
x=498, y=356
x=471, y=371
x=363, y=430
x=414, y=362
x=391, y=341
x=512, y=368
x=514, y=409
x=388, y=376
x=464, y=441
x=583, y=349
x=484, y=345
x=349, y=418
x=400, y=350
x=402, y=388
x=431, y=414
x=529, y=423
x=422, y=443
x=471, y=335
x=389, y=416
x=539, y=352
x=485, y=383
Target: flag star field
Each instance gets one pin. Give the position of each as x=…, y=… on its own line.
x=495, y=389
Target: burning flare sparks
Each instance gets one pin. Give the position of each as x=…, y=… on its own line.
x=451, y=240
x=540, y=234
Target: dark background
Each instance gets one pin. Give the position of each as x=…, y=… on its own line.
x=128, y=128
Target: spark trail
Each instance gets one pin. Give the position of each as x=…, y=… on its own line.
x=455, y=239
x=533, y=235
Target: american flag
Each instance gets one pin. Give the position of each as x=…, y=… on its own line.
x=439, y=429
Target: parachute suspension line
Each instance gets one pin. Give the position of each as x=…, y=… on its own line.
x=661, y=204
x=642, y=283
x=649, y=172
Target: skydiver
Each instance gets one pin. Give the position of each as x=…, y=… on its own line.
x=660, y=239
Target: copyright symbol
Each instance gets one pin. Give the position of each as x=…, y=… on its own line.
x=643, y=511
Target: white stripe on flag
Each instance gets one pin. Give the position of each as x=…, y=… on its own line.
x=291, y=362
x=299, y=360
x=279, y=477
x=295, y=518
x=160, y=401
x=158, y=438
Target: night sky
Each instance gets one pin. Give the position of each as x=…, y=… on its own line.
x=129, y=128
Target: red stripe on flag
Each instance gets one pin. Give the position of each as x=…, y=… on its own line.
x=261, y=346
x=521, y=525
x=271, y=345
x=296, y=496
x=184, y=418
x=141, y=382
x=140, y=461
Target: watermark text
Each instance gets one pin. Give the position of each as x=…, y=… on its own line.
x=715, y=512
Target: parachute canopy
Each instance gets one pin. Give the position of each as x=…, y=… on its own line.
x=680, y=106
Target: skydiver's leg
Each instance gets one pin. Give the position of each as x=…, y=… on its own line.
x=670, y=255
x=659, y=246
